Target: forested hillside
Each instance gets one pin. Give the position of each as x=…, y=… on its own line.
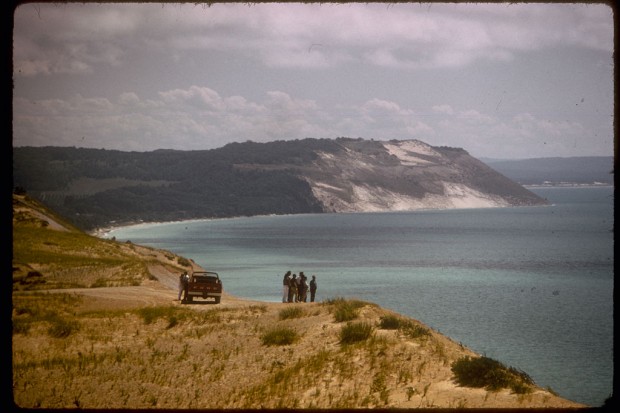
x=97, y=188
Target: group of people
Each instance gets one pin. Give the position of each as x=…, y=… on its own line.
x=295, y=289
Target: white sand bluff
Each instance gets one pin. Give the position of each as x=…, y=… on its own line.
x=371, y=176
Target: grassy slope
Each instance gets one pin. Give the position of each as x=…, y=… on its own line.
x=71, y=353
x=48, y=253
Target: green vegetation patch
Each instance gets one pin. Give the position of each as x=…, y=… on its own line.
x=71, y=260
x=48, y=246
x=355, y=332
x=62, y=328
x=484, y=372
x=407, y=327
x=184, y=262
x=390, y=322
x=279, y=336
x=379, y=385
x=170, y=313
x=346, y=310
x=40, y=304
x=291, y=312
x=279, y=390
x=413, y=330
x=55, y=310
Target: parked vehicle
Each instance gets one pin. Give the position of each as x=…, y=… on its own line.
x=205, y=284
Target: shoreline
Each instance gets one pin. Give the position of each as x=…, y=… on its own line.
x=569, y=185
x=103, y=231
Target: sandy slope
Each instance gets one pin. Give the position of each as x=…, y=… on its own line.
x=320, y=332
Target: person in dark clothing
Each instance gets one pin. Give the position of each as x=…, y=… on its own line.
x=313, y=287
x=303, y=287
x=292, y=289
x=285, y=286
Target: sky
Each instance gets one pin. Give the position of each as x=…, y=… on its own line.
x=500, y=80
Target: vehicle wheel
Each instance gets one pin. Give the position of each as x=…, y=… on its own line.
x=217, y=300
x=190, y=299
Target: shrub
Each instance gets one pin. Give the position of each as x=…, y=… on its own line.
x=279, y=337
x=479, y=372
x=334, y=301
x=172, y=321
x=346, y=310
x=291, y=312
x=151, y=314
x=412, y=330
x=254, y=309
x=61, y=328
x=550, y=390
x=211, y=316
x=390, y=322
x=184, y=262
x=484, y=372
x=174, y=315
x=99, y=283
x=21, y=327
x=379, y=386
x=521, y=388
x=345, y=313
x=355, y=332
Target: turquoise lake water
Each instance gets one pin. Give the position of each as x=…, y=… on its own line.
x=530, y=286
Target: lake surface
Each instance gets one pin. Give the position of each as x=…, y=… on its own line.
x=531, y=287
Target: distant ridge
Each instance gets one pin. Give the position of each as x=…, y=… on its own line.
x=582, y=170
x=96, y=187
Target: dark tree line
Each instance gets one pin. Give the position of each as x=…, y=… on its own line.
x=171, y=184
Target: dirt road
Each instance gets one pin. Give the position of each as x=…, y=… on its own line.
x=164, y=291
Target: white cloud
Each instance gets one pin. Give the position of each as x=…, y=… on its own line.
x=129, y=98
x=446, y=109
x=74, y=38
x=382, y=106
x=472, y=116
x=417, y=129
x=202, y=98
x=200, y=118
x=192, y=118
x=149, y=76
x=522, y=136
x=282, y=102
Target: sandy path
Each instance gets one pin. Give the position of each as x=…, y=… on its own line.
x=164, y=291
x=166, y=277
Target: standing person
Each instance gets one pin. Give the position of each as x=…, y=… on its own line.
x=292, y=290
x=313, y=286
x=285, y=286
x=303, y=287
x=181, y=284
x=185, y=285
